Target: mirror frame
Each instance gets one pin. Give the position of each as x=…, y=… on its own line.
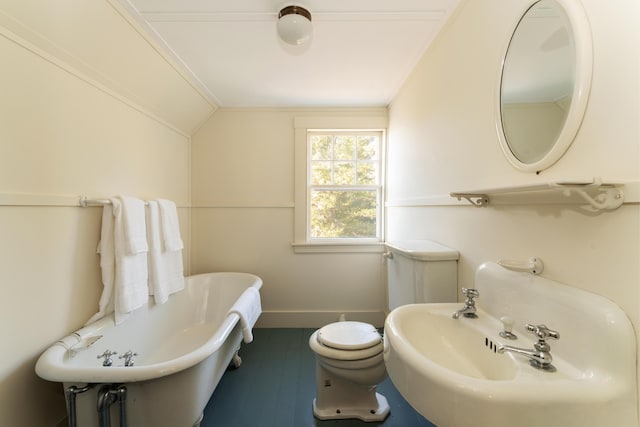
x=582, y=85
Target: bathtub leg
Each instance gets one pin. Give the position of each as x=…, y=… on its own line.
x=236, y=361
x=197, y=424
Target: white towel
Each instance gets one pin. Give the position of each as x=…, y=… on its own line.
x=165, y=267
x=170, y=226
x=248, y=307
x=133, y=225
x=123, y=258
x=131, y=289
x=107, y=262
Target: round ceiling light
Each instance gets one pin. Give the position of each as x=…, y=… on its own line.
x=294, y=25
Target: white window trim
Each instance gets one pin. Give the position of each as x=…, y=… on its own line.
x=301, y=126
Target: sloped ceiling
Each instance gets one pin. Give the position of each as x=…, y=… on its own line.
x=98, y=42
x=360, y=54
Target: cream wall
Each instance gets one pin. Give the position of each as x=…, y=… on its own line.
x=81, y=114
x=67, y=129
x=243, y=219
x=442, y=138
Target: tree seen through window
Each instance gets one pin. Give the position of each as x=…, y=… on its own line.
x=344, y=185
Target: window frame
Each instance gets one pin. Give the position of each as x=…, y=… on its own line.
x=302, y=239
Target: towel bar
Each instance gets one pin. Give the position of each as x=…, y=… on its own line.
x=86, y=202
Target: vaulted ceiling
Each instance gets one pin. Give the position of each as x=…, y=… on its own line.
x=361, y=52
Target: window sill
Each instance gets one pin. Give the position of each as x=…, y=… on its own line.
x=346, y=247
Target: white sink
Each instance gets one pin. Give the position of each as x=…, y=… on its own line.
x=428, y=335
x=451, y=372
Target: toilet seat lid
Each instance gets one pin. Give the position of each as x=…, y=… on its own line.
x=349, y=335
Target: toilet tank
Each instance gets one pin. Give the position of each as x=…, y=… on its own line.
x=420, y=271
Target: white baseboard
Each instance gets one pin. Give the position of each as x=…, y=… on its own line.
x=316, y=319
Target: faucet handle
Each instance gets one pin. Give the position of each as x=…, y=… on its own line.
x=128, y=358
x=470, y=292
x=542, y=332
x=107, y=357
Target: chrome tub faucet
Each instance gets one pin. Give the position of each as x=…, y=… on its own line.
x=469, y=309
x=128, y=358
x=107, y=357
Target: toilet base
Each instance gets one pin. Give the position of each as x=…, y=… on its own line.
x=340, y=398
x=369, y=414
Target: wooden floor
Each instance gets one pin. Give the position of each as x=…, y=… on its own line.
x=275, y=387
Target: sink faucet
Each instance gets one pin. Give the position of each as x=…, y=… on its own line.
x=540, y=356
x=469, y=309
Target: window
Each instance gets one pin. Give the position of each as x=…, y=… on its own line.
x=339, y=183
x=343, y=183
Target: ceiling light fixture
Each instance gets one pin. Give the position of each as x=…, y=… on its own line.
x=294, y=25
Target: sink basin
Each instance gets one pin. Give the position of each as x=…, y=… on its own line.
x=430, y=333
x=451, y=372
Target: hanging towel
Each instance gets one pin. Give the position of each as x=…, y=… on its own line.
x=165, y=267
x=132, y=216
x=131, y=289
x=248, y=307
x=107, y=262
x=123, y=258
x=170, y=226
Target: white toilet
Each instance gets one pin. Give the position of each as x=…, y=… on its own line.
x=349, y=365
x=349, y=358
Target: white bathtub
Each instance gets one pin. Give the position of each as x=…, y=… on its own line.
x=183, y=346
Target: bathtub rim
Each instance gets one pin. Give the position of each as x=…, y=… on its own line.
x=51, y=366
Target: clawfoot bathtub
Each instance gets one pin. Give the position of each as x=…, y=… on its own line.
x=176, y=354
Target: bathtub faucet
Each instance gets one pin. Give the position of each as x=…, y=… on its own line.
x=107, y=357
x=128, y=358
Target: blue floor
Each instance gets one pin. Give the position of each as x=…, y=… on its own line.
x=275, y=387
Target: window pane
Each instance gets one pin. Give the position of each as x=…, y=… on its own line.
x=343, y=214
x=320, y=173
x=368, y=147
x=321, y=147
x=344, y=173
x=366, y=173
x=344, y=148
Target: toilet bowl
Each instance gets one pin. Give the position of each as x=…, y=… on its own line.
x=349, y=366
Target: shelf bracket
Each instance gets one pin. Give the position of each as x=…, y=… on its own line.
x=476, y=199
x=608, y=197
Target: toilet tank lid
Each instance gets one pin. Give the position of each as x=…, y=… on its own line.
x=423, y=250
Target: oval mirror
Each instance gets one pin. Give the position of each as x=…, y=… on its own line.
x=544, y=84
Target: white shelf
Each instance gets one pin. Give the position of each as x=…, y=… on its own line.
x=597, y=194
